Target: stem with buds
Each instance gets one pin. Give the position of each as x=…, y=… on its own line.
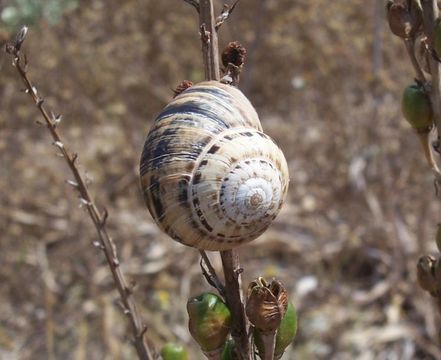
x=99, y=219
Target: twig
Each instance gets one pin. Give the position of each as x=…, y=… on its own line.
x=230, y=258
x=99, y=219
x=410, y=47
x=232, y=271
x=430, y=14
x=225, y=14
x=210, y=49
x=210, y=274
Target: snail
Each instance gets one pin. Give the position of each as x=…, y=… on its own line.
x=210, y=177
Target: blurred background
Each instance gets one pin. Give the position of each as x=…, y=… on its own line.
x=326, y=78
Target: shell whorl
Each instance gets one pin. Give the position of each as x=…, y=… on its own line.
x=211, y=178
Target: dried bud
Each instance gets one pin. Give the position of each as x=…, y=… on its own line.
x=172, y=351
x=286, y=333
x=209, y=322
x=266, y=304
x=405, y=18
x=426, y=274
x=234, y=53
x=182, y=87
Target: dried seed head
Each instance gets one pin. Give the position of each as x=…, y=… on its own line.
x=426, y=274
x=181, y=87
x=286, y=332
x=266, y=304
x=405, y=18
x=234, y=53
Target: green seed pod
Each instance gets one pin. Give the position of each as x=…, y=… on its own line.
x=172, y=351
x=417, y=109
x=209, y=321
x=286, y=333
x=438, y=238
x=437, y=37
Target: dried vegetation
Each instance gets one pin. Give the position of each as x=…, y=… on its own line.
x=326, y=78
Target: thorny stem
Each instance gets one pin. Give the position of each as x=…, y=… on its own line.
x=230, y=258
x=430, y=14
x=99, y=219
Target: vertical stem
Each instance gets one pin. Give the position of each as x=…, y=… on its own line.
x=410, y=47
x=430, y=14
x=211, y=56
x=269, y=342
x=230, y=258
x=231, y=265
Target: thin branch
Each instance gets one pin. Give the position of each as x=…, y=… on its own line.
x=210, y=274
x=232, y=271
x=99, y=220
x=430, y=14
x=210, y=49
x=225, y=14
x=410, y=47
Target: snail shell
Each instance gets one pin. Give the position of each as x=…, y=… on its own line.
x=211, y=178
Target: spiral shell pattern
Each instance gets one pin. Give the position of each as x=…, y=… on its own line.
x=211, y=178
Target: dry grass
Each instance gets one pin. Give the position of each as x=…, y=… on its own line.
x=361, y=207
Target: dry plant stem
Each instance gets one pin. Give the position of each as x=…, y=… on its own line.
x=226, y=13
x=410, y=47
x=232, y=270
x=428, y=154
x=430, y=14
x=210, y=49
x=269, y=342
x=99, y=220
x=210, y=274
x=230, y=258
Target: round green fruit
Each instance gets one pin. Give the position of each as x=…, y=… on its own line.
x=417, y=109
x=209, y=321
x=172, y=351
